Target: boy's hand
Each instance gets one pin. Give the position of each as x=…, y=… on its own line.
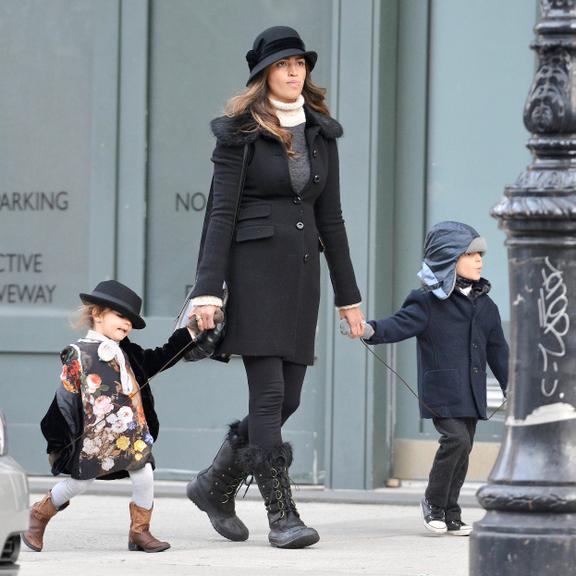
x=345, y=329
x=355, y=320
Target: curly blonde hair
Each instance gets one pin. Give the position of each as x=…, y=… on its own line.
x=254, y=100
x=84, y=317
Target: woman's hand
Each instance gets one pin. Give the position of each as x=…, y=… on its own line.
x=355, y=319
x=204, y=316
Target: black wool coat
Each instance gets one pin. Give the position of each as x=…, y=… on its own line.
x=456, y=338
x=62, y=438
x=271, y=261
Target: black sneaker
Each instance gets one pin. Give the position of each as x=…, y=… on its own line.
x=433, y=517
x=458, y=528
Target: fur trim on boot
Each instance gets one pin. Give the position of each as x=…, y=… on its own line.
x=270, y=470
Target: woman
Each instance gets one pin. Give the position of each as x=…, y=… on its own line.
x=289, y=213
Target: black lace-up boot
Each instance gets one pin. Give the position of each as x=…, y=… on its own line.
x=270, y=470
x=215, y=488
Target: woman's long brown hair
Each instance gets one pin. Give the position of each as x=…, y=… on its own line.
x=254, y=99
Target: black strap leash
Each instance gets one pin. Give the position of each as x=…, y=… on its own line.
x=187, y=345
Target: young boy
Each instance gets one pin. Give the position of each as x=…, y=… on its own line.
x=458, y=331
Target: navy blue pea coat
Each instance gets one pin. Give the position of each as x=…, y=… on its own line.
x=271, y=260
x=456, y=338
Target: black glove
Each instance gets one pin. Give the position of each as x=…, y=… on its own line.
x=206, y=342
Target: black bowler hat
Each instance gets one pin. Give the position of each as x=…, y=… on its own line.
x=275, y=44
x=112, y=294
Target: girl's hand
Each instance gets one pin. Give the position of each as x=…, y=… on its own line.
x=204, y=316
x=355, y=319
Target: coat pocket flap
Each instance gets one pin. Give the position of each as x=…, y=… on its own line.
x=442, y=387
x=254, y=211
x=254, y=233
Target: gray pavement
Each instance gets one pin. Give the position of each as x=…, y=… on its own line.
x=380, y=534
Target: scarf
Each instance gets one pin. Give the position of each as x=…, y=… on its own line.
x=109, y=350
x=472, y=288
x=289, y=114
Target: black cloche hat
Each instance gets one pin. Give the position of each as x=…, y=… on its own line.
x=114, y=295
x=275, y=44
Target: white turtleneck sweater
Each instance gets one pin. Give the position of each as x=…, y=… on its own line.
x=289, y=114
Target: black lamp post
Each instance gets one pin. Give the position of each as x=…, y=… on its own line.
x=530, y=524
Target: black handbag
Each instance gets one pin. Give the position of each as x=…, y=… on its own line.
x=207, y=341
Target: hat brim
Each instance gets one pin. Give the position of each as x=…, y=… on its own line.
x=310, y=57
x=477, y=245
x=108, y=301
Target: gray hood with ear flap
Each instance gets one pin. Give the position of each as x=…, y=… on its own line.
x=444, y=244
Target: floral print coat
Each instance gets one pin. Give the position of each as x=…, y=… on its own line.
x=94, y=429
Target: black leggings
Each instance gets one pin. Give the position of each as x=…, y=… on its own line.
x=274, y=386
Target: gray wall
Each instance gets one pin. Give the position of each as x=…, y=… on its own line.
x=104, y=168
x=58, y=192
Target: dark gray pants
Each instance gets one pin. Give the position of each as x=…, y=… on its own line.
x=450, y=463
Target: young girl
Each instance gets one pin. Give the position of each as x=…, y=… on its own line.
x=102, y=423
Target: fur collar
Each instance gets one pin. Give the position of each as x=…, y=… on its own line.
x=479, y=287
x=238, y=130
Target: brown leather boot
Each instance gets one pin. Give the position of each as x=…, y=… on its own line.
x=40, y=515
x=140, y=538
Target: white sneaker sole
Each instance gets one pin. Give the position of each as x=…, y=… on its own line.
x=459, y=532
x=436, y=529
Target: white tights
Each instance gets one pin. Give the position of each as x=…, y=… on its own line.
x=142, y=488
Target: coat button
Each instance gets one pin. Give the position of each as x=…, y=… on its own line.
x=297, y=200
x=314, y=153
x=475, y=370
x=316, y=179
x=306, y=258
x=299, y=225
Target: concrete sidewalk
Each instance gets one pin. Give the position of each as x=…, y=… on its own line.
x=357, y=537
x=408, y=493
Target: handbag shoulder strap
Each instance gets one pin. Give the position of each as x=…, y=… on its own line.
x=239, y=193
x=241, y=183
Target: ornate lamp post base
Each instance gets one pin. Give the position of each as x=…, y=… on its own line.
x=530, y=524
x=522, y=544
